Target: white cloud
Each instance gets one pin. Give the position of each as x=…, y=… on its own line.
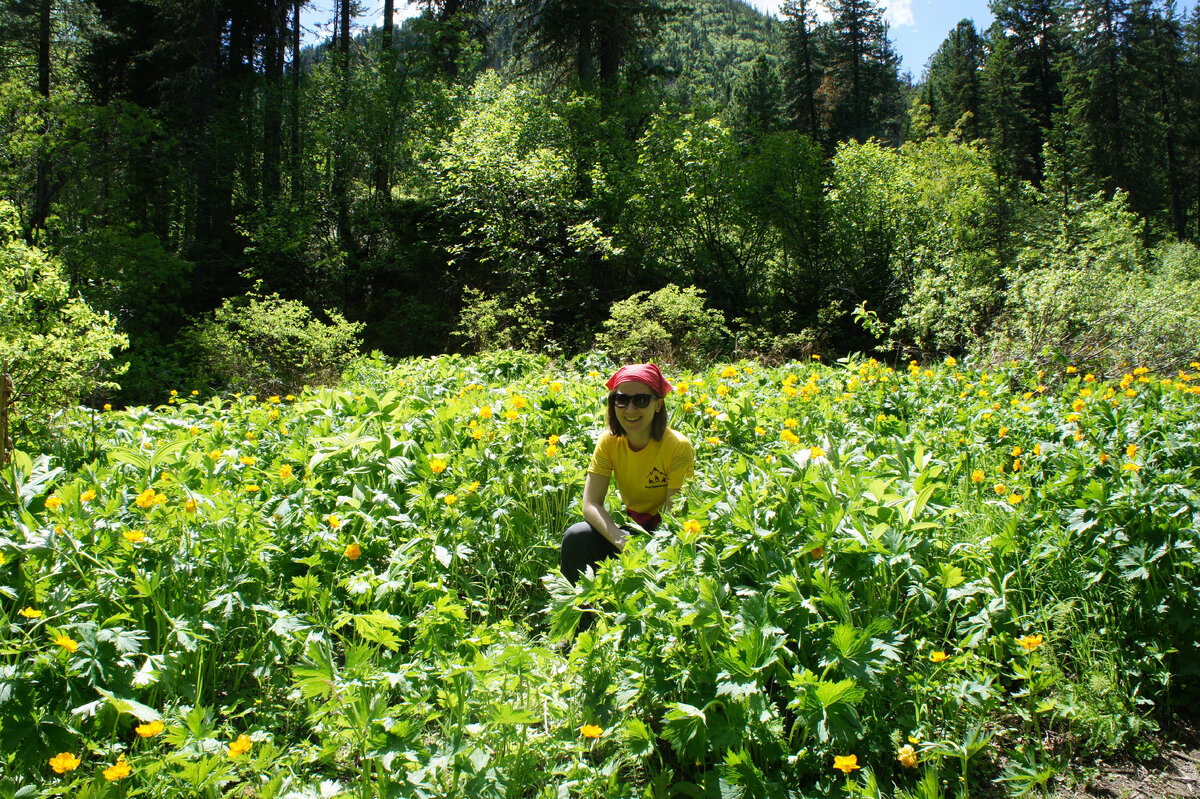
x=899, y=12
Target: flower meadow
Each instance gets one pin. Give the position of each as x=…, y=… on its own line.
x=920, y=580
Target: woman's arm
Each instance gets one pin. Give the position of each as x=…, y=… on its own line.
x=595, y=489
x=666, y=508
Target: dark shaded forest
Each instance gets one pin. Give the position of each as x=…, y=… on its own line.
x=501, y=173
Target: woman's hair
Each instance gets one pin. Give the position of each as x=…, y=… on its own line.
x=658, y=425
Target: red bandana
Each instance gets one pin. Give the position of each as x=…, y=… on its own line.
x=646, y=373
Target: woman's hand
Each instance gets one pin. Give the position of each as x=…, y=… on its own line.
x=595, y=489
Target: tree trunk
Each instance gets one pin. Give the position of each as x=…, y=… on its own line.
x=272, y=112
x=41, y=203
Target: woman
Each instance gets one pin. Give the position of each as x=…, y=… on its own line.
x=650, y=461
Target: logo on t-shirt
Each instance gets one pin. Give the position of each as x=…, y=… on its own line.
x=657, y=478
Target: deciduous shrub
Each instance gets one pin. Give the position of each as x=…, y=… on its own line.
x=488, y=324
x=55, y=347
x=271, y=345
x=672, y=325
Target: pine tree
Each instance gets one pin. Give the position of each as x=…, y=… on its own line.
x=1032, y=66
x=861, y=85
x=953, y=82
x=802, y=74
x=757, y=101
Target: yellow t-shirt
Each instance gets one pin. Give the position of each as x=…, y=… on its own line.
x=644, y=477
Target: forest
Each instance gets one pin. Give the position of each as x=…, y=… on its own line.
x=492, y=174
x=190, y=177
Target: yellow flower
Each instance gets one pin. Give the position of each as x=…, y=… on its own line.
x=713, y=440
x=274, y=400
x=190, y=506
x=687, y=406
x=476, y=434
x=174, y=393
x=816, y=357
x=248, y=460
x=816, y=452
x=1016, y=467
x=691, y=527
x=1089, y=378
x=759, y=430
x=1003, y=431
x=907, y=756
x=241, y=746
x=133, y=536
x=977, y=476
x=845, y=763
x=951, y=361
x=53, y=502
x=729, y=371
x=789, y=437
x=215, y=454
x=273, y=414
x=1030, y=642
x=1130, y=451
x=285, y=472
x=1071, y=370
x=149, y=729
x=473, y=486
x=1015, y=499
x=556, y=387
x=334, y=521
x=790, y=422
x=437, y=466
x=450, y=499
x=352, y=551
x=1131, y=467
x=67, y=642
x=1037, y=449
x=148, y=499
x=722, y=389
x=553, y=440
x=251, y=489
x=64, y=762
x=195, y=392
x=511, y=415
x=1016, y=452
x=519, y=402
x=551, y=451
x=485, y=412
x=938, y=656
x=31, y=613
x=591, y=731
x=87, y=496
x=1000, y=489
x=193, y=431
x=107, y=407
x=682, y=388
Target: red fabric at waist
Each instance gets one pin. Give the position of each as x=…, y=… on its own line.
x=648, y=521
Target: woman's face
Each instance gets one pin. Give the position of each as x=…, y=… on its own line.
x=632, y=418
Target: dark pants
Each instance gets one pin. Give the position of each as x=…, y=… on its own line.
x=583, y=546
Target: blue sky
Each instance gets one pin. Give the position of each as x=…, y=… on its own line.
x=918, y=27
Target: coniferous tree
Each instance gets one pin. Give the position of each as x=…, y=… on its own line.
x=1029, y=79
x=861, y=87
x=588, y=41
x=757, y=101
x=801, y=67
x=953, y=83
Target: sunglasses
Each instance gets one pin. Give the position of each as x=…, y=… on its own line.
x=638, y=400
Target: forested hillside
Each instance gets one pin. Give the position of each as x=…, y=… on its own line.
x=501, y=173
